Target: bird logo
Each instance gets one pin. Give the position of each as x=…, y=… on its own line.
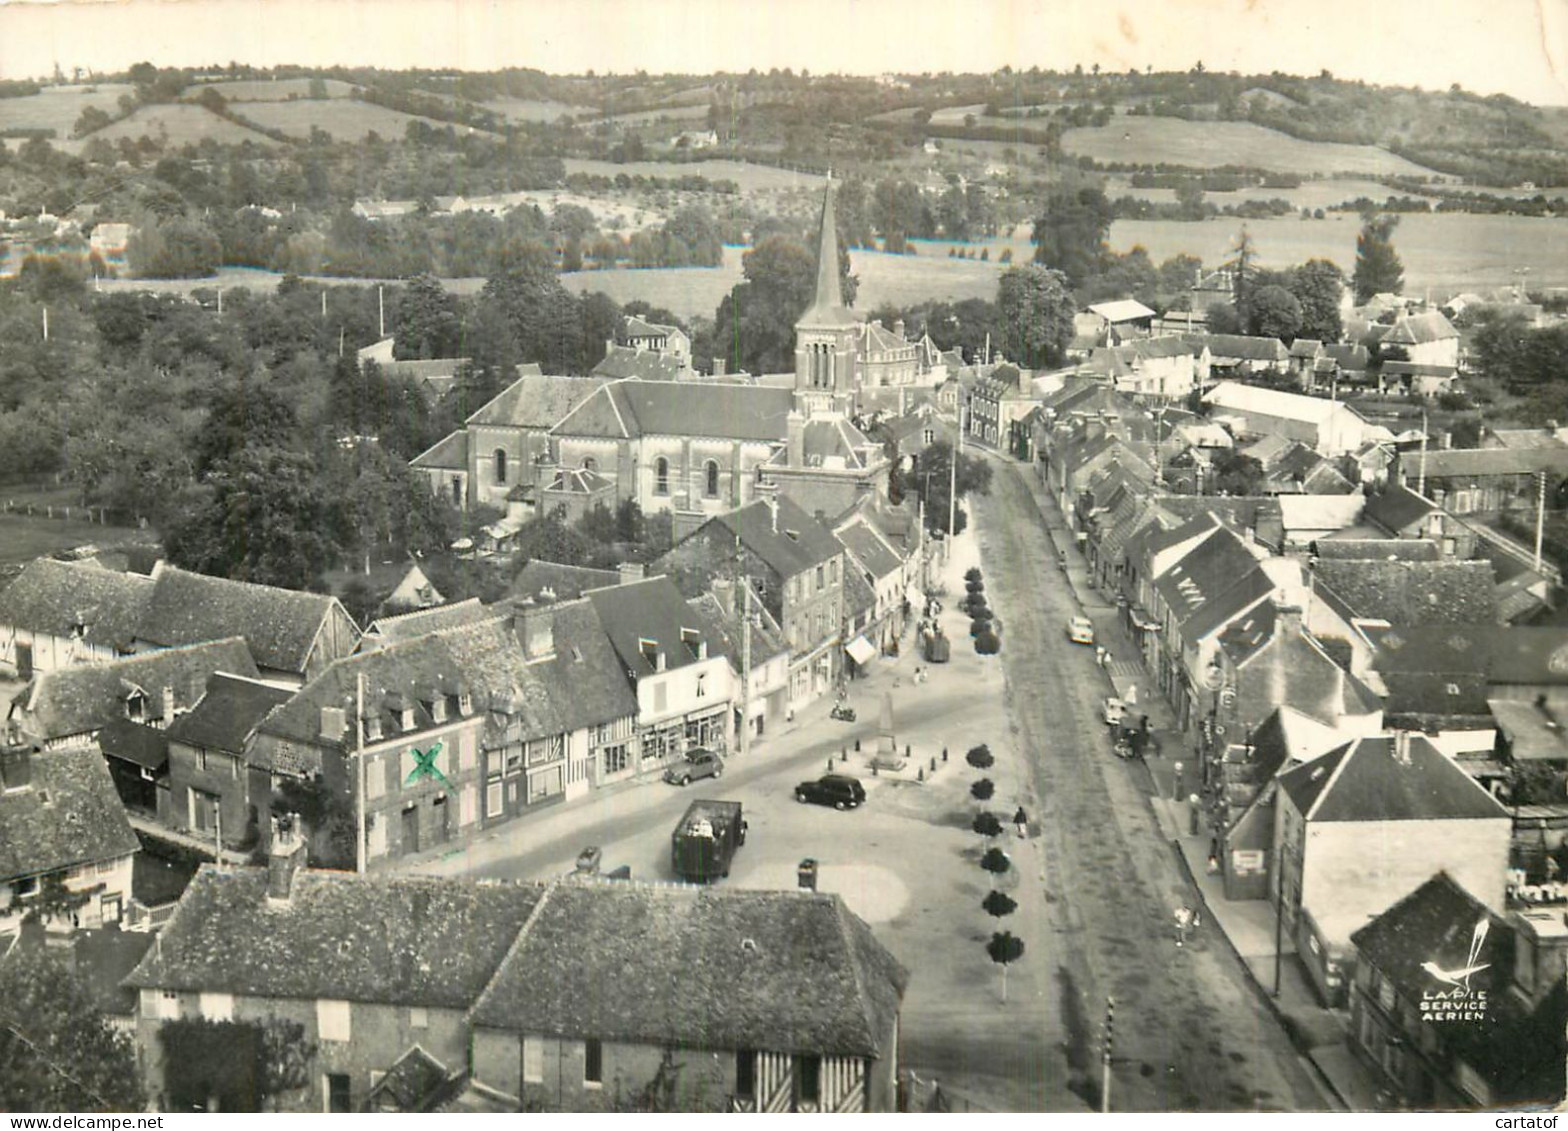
x=1460, y=978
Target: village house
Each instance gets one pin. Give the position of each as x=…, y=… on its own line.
x=56, y=614
x=1112, y=323
x=884, y=570
x=762, y=688
x=1471, y=480
x=386, y=630
x=670, y=660
x=1404, y=795
x=1489, y=1037
x=796, y=569
x=1328, y=427
x=542, y=582
x=1427, y=339
x=620, y=362
x=62, y=822
x=641, y=334
x=369, y=966
x=797, y=1007
x=152, y=688
x=826, y=464
x=1238, y=357
x=1161, y=369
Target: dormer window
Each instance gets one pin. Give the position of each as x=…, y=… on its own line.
x=136, y=706
x=693, y=641
x=649, y=650
x=465, y=702
x=438, y=706
x=405, y=718
x=372, y=726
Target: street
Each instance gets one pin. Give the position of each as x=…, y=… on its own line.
x=1096, y=882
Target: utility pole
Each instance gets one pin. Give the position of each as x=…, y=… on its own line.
x=1540, y=514
x=1421, y=472
x=1105, y=1055
x=359, y=772
x=220, y=302
x=381, y=311
x=46, y=323
x=952, y=487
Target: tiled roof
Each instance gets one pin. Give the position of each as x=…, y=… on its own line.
x=1398, y=508
x=279, y=625
x=811, y=544
x=1306, y=347
x=1365, y=781
x=1122, y=310
x=1419, y=329
x=1527, y=654
x=414, y=1080
x=136, y=743
x=641, y=328
x=405, y=626
x=536, y=401
x=393, y=940
x=227, y=713
x=450, y=454
x=578, y=481
x=1533, y=734
x=1413, y=369
x=564, y=582
x=1462, y=462
x=85, y=697
x=1377, y=549
x=1240, y=346
x=1207, y=571
x=1447, y=649
x=625, y=409
x=869, y=550
x=70, y=815
x=642, y=364
x=55, y=597
x=1351, y=358
x=859, y=596
x=720, y=968
x=652, y=609
x=1408, y=593
x=767, y=639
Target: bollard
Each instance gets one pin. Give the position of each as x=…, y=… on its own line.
x=873, y=769
x=921, y=774
x=843, y=753
x=909, y=751
x=830, y=763
x=857, y=746
x=933, y=765
x=944, y=753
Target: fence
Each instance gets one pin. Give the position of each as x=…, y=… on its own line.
x=102, y=516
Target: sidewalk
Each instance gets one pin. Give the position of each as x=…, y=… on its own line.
x=1248, y=926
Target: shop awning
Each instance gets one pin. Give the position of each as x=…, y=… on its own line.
x=861, y=650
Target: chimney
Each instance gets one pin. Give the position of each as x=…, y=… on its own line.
x=720, y=367
x=898, y=328
x=795, y=425
x=1402, y=747
x=631, y=572
x=773, y=511
x=1289, y=617
x=284, y=858
x=168, y=705
x=537, y=630
x=16, y=768
x=333, y=722
x=724, y=593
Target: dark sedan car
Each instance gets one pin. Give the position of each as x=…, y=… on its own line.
x=696, y=764
x=838, y=790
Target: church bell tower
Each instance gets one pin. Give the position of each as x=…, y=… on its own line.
x=826, y=334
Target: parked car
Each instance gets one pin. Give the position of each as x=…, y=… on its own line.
x=588, y=859
x=697, y=764
x=838, y=790
x=1080, y=630
x=1113, y=711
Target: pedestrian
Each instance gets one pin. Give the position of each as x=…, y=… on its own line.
x=1021, y=819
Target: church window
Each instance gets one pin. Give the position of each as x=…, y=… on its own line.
x=711, y=476
x=661, y=476
x=500, y=465
x=590, y=464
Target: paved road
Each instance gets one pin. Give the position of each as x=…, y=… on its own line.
x=1191, y=1032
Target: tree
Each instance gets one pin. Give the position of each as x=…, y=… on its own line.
x=1005, y=949
x=1318, y=285
x=995, y=861
x=987, y=824
x=1241, y=264
x=982, y=789
x=1378, y=268
x=1235, y=474
x=242, y=1065
x=56, y=1053
x=1036, y=309
x=999, y=904
x=980, y=757
x=932, y=480
x=754, y=326
x=1189, y=197
x=424, y=320
x=1070, y=235
x=1274, y=312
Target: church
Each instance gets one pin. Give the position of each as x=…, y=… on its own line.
x=697, y=448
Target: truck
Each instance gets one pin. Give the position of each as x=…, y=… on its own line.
x=704, y=843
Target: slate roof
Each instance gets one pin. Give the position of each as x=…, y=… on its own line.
x=1272, y=402
x=1398, y=508
x=642, y=364
x=1240, y=346
x=720, y=968
x=227, y=713
x=536, y=401
x=450, y=454
x=1479, y=462
x=812, y=544
x=1414, y=369
x=869, y=550
x=1435, y=923
x=1432, y=670
x=652, y=609
x=392, y=940
x=1349, y=357
x=70, y=815
x=1377, y=549
x=1407, y=593
x=627, y=409
x=637, y=327
x=1364, y=781
x=827, y=307
x=406, y=626
x=1320, y=512
x=1208, y=570
x=564, y=582
x=279, y=625
x=1246, y=635
x=136, y=743
x=1419, y=329
x=1532, y=734
x=859, y=596
x=54, y=597
x=578, y=481
x=85, y=697
x=1306, y=347
x=415, y=1080
x=832, y=443
x=1528, y=654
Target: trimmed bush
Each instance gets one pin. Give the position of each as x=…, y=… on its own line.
x=980, y=757
x=995, y=861
x=972, y=573
x=988, y=643
x=983, y=789
x=986, y=823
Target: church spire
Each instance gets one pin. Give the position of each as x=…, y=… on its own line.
x=829, y=294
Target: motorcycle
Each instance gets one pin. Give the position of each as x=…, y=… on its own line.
x=842, y=712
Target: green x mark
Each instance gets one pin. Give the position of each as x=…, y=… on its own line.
x=426, y=767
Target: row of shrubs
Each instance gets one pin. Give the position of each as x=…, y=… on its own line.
x=983, y=625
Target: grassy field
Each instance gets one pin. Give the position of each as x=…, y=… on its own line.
x=1311, y=194
x=1149, y=141
x=263, y=90
x=57, y=107
x=750, y=178
x=25, y=537
x=183, y=124
x=685, y=115
x=532, y=109
x=344, y=119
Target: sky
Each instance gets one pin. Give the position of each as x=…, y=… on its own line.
x=1517, y=47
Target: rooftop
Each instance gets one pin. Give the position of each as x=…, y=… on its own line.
x=1367, y=780
x=68, y=815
